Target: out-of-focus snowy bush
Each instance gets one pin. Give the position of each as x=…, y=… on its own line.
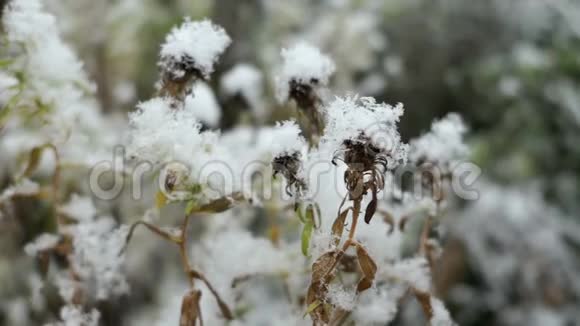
x=248, y=163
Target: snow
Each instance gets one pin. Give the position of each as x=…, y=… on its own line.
x=247, y=81
x=443, y=143
x=201, y=42
x=287, y=139
x=80, y=208
x=440, y=316
x=303, y=64
x=341, y=297
x=352, y=116
x=43, y=242
x=203, y=105
x=413, y=271
x=160, y=133
x=72, y=315
x=24, y=187
x=96, y=258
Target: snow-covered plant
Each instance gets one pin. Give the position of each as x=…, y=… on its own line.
x=246, y=254
x=305, y=70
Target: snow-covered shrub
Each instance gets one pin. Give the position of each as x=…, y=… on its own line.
x=265, y=221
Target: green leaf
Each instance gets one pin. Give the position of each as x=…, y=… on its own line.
x=299, y=214
x=5, y=62
x=306, y=235
x=310, y=214
x=311, y=307
x=34, y=158
x=191, y=205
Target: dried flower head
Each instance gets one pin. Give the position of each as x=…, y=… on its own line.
x=442, y=144
x=368, y=143
x=304, y=69
x=288, y=152
x=190, y=51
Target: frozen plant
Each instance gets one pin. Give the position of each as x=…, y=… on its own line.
x=245, y=83
x=305, y=70
x=189, y=52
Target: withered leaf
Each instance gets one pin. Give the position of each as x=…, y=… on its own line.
x=371, y=208
x=190, y=310
x=364, y=284
x=311, y=307
x=323, y=266
x=165, y=235
x=43, y=262
x=225, y=310
x=221, y=204
x=34, y=158
x=338, y=226
x=367, y=264
x=424, y=299
x=389, y=219
x=338, y=317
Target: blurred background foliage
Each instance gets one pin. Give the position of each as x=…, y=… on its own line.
x=511, y=68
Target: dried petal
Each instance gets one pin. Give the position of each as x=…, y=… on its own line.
x=190, y=310
x=367, y=264
x=371, y=207
x=338, y=226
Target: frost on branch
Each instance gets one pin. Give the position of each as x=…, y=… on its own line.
x=190, y=51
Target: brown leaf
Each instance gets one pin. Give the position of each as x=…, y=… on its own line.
x=226, y=312
x=152, y=228
x=43, y=262
x=367, y=264
x=371, y=208
x=364, y=284
x=190, y=311
x=314, y=299
x=403, y=223
x=338, y=226
x=389, y=219
x=221, y=204
x=323, y=266
x=424, y=299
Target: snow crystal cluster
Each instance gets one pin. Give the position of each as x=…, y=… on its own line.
x=72, y=315
x=96, y=248
x=258, y=275
x=193, y=47
x=363, y=120
x=443, y=144
x=304, y=65
x=203, y=105
x=246, y=81
x=52, y=87
x=288, y=139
